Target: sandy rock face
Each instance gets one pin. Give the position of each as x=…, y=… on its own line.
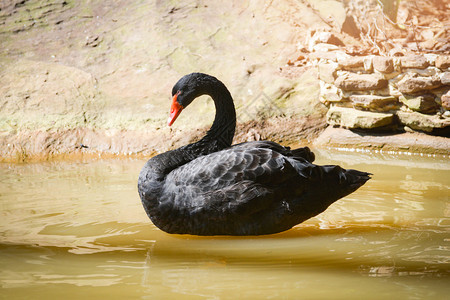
x=108, y=67
x=39, y=94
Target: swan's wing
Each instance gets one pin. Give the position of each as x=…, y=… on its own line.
x=239, y=180
x=232, y=182
x=222, y=169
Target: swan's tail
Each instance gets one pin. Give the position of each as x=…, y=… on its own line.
x=322, y=186
x=356, y=178
x=305, y=153
x=339, y=182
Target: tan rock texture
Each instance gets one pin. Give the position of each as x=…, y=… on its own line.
x=360, y=82
x=352, y=118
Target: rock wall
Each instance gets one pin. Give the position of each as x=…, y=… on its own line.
x=410, y=92
x=95, y=77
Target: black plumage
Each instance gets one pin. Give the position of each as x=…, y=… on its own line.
x=212, y=188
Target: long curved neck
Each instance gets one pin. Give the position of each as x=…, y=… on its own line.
x=221, y=133
x=218, y=137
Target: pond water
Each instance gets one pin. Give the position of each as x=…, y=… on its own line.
x=77, y=229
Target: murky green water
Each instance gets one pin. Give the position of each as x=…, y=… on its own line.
x=77, y=229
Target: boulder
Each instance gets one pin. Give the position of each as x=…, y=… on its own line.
x=412, y=83
x=327, y=72
x=352, y=118
x=445, y=101
x=329, y=93
x=443, y=61
x=414, y=61
x=445, y=78
x=374, y=102
x=351, y=62
x=418, y=121
x=422, y=103
x=383, y=64
x=360, y=82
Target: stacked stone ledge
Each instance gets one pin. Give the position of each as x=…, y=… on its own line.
x=376, y=92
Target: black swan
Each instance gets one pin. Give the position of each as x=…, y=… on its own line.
x=254, y=188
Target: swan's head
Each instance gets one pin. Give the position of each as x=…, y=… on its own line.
x=185, y=91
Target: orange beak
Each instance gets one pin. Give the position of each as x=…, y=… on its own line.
x=175, y=110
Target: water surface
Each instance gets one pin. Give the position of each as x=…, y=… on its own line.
x=77, y=229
